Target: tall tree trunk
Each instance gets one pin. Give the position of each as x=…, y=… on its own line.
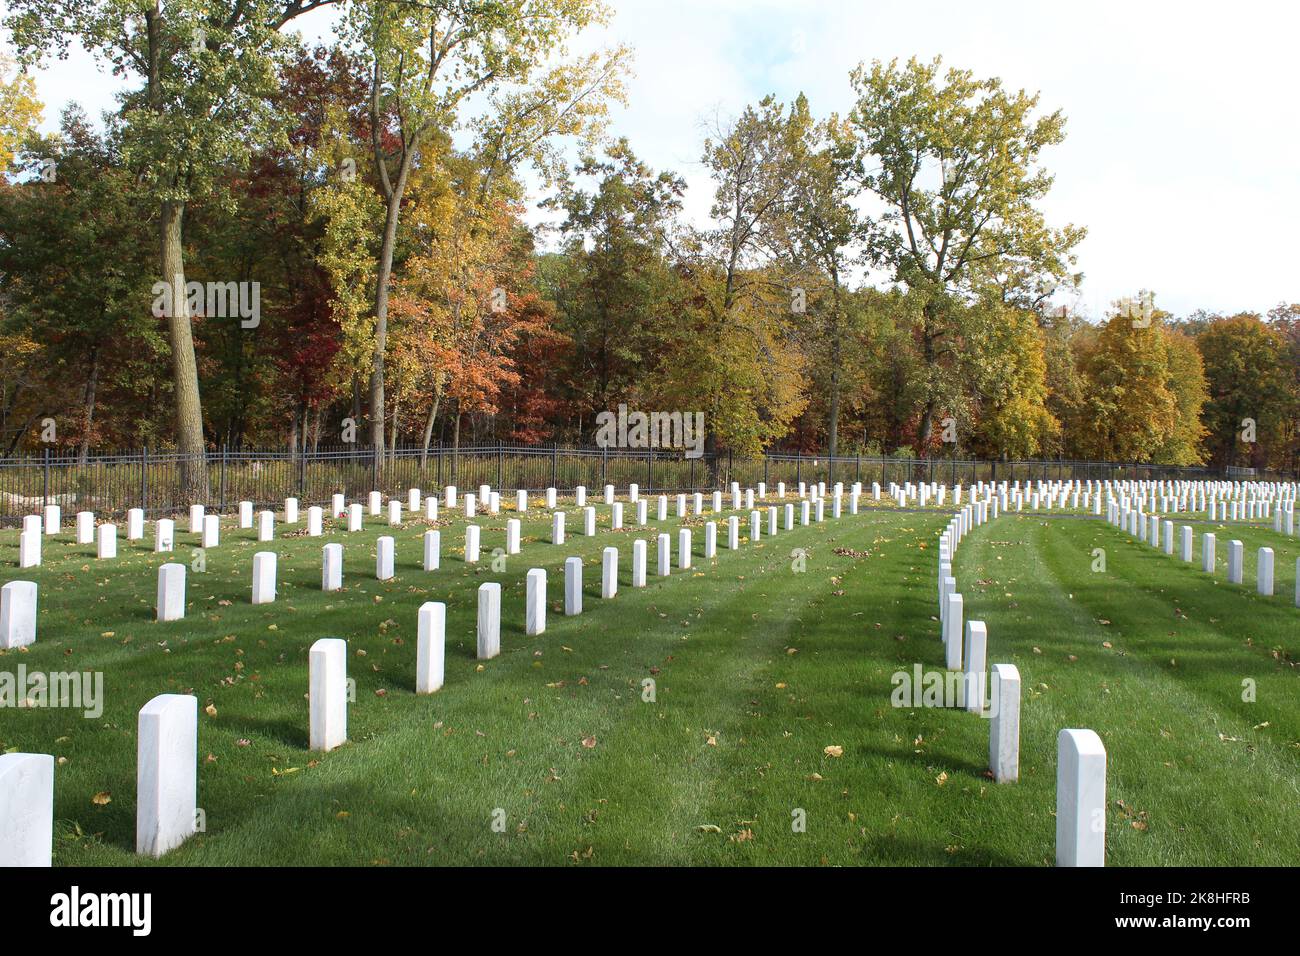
x=383, y=275
x=185, y=373
x=392, y=432
x=293, y=436
x=88, y=403
x=428, y=423
x=930, y=316
x=833, y=422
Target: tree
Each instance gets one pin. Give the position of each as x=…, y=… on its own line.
x=1250, y=401
x=1143, y=393
x=1009, y=375
x=612, y=285
x=20, y=111
x=734, y=346
x=955, y=162
x=823, y=230
x=206, y=69
x=426, y=60
x=72, y=267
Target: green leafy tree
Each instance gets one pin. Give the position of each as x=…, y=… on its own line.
x=205, y=70
x=427, y=60
x=1250, y=400
x=955, y=160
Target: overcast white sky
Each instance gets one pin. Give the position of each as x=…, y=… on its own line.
x=1182, y=155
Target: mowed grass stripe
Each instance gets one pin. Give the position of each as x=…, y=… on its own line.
x=1160, y=696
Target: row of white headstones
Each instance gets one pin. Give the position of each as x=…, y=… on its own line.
x=1081, y=756
x=1147, y=529
x=167, y=733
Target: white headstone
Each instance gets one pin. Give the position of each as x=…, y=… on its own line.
x=710, y=540
x=1264, y=572
x=665, y=558
x=450, y=492
x=338, y=505
x=331, y=578
x=572, y=586
x=135, y=524
x=639, y=562
x=376, y=502
x=471, y=543
x=107, y=541
x=356, y=516
x=211, y=531
x=413, y=500
x=521, y=501
x=684, y=548
x=1207, y=552
x=431, y=508
x=489, y=619
x=1080, y=799
x=952, y=632
x=264, y=577
x=512, y=536
x=609, y=573
x=1004, y=723
x=171, y=592
x=535, y=602
x=166, y=773
x=245, y=514
x=733, y=533
x=266, y=526
x=394, y=512
x=384, y=558
x=431, y=646
x=85, y=527
x=976, y=678
x=290, y=510
x=17, y=614
x=196, y=519
x=26, y=810
x=616, y=516
x=315, y=522
x=163, y=534
x=1236, y=552
x=328, y=693
x=557, y=527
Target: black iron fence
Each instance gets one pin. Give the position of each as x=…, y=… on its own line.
x=109, y=484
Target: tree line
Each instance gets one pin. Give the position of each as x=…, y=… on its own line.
x=882, y=282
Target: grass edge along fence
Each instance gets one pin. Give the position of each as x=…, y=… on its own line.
x=109, y=484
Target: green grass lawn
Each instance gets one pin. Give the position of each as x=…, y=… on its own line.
x=758, y=669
